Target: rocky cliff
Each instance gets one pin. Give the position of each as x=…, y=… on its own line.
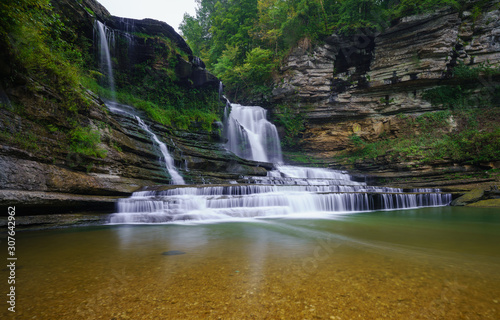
x=42, y=169
x=362, y=84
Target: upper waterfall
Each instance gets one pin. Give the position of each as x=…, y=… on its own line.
x=106, y=39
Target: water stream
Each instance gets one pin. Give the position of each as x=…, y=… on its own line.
x=166, y=159
x=106, y=37
x=251, y=136
x=287, y=191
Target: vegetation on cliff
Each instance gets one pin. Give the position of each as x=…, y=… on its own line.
x=47, y=64
x=469, y=136
x=466, y=131
x=244, y=41
x=237, y=36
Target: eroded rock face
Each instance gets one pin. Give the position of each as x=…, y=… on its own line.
x=46, y=173
x=357, y=84
x=41, y=173
x=379, y=75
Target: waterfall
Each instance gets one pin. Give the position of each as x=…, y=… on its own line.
x=251, y=135
x=106, y=39
x=168, y=161
x=257, y=201
x=285, y=191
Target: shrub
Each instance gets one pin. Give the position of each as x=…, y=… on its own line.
x=85, y=141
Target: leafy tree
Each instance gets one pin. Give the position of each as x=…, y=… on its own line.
x=231, y=29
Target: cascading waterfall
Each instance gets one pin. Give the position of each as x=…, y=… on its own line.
x=286, y=191
x=167, y=159
x=251, y=201
x=251, y=135
x=106, y=39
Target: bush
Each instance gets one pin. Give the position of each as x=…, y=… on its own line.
x=293, y=123
x=475, y=139
x=85, y=141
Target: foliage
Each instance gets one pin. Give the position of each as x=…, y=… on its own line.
x=224, y=33
x=253, y=74
x=42, y=47
x=465, y=94
x=427, y=138
x=409, y=7
x=199, y=107
x=467, y=72
x=292, y=122
x=25, y=140
x=448, y=96
x=85, y=141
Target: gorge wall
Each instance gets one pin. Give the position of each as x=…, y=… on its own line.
x=362, y=84
x=40, y=170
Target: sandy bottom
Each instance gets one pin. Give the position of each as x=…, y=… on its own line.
x=349, y=268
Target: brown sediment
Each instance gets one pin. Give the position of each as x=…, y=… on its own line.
x=120, y=273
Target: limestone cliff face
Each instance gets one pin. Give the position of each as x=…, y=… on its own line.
x=41, y=173
x=142, y=36
x=357, y=84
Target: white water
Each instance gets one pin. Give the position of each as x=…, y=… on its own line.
x=168, y=161
x=259, y=201
x=251, y=135
x=286, y=191
x=106, y=39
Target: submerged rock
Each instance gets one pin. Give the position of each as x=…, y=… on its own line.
x=173, y=253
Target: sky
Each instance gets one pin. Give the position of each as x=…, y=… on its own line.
x=169, y=11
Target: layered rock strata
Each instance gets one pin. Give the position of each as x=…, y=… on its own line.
x=356, y=85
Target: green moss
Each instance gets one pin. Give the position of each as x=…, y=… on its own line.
x=292, y=121
x=426, y=139
x=300, y=157
x=85, y=141
x=491, y=203
x=25, y=140
x=174, y=106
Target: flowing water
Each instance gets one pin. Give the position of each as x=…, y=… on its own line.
x=301, y=243
x=428, y=263
x=166, y=159
x=106, y=38
x=286, y=191
x=251, y=135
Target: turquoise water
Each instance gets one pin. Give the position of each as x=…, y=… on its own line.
x=431, y=263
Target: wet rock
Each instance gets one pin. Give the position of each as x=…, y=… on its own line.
x=470, y=197
x=491, y=203
x=173, y=253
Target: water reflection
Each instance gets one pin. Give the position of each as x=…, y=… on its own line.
x=434, y=263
